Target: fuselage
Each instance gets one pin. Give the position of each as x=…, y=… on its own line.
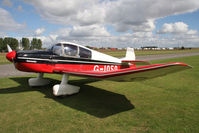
x=67, y=56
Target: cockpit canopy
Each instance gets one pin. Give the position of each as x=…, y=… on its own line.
x=71, y=50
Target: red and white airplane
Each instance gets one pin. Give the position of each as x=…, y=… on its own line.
x=72, y=59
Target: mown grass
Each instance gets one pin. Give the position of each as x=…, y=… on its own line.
x=164, y=104
x=3, y=59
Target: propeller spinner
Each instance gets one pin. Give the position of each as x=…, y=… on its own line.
x=11, y=55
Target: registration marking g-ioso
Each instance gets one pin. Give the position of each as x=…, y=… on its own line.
x=105, y=68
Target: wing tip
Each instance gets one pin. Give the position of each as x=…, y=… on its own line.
x=183, y=64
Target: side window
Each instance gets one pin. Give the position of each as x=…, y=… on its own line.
x=57, y=49
x=84, y=53
x=70, y=50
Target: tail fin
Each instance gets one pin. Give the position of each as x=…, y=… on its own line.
x=130, y=54
x=130, y=58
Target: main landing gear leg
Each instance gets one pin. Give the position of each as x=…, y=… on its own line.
x=39, y=81
x=64, y=88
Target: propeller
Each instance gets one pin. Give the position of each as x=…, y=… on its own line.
x=11, y=55
x=9, y=48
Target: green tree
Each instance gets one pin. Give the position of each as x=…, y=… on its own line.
x=36, y=43
x=39, y=43
x=1, y=44
x=25, y=43
x=13, y=42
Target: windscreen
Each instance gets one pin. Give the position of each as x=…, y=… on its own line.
x=57, y=49
x=70, y=50
x=84, y=53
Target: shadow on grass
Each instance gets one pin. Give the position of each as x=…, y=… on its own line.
x=94, y=101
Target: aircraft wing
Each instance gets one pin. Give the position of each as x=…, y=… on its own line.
x=130, y=74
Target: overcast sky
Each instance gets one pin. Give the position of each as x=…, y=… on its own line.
x=103, y=23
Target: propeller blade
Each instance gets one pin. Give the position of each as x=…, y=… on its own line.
x=14, y=63
x=9, y=49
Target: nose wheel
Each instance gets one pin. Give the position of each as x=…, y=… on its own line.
x=64, y=88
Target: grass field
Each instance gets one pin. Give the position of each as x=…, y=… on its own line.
x=164, y=104
x=121, y=53
x=3, y=59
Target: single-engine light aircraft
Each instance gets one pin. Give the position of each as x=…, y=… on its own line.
x=72, y=59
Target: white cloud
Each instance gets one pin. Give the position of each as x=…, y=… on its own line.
x=7, y=3
x=82, y=34
x=39, y=31
x=140, y=15
x=90, y=20
x=178, y=28
x=192, y=32
x=7, y=23
x=143, y=34
x=93, y=15
x=2, y=34
x=179, y=34
x=87, y=31
x=137, y=39
x=123, y=15
x=86, y=12
x=175, y=28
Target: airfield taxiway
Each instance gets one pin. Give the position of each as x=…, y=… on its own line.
x=9, y=70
